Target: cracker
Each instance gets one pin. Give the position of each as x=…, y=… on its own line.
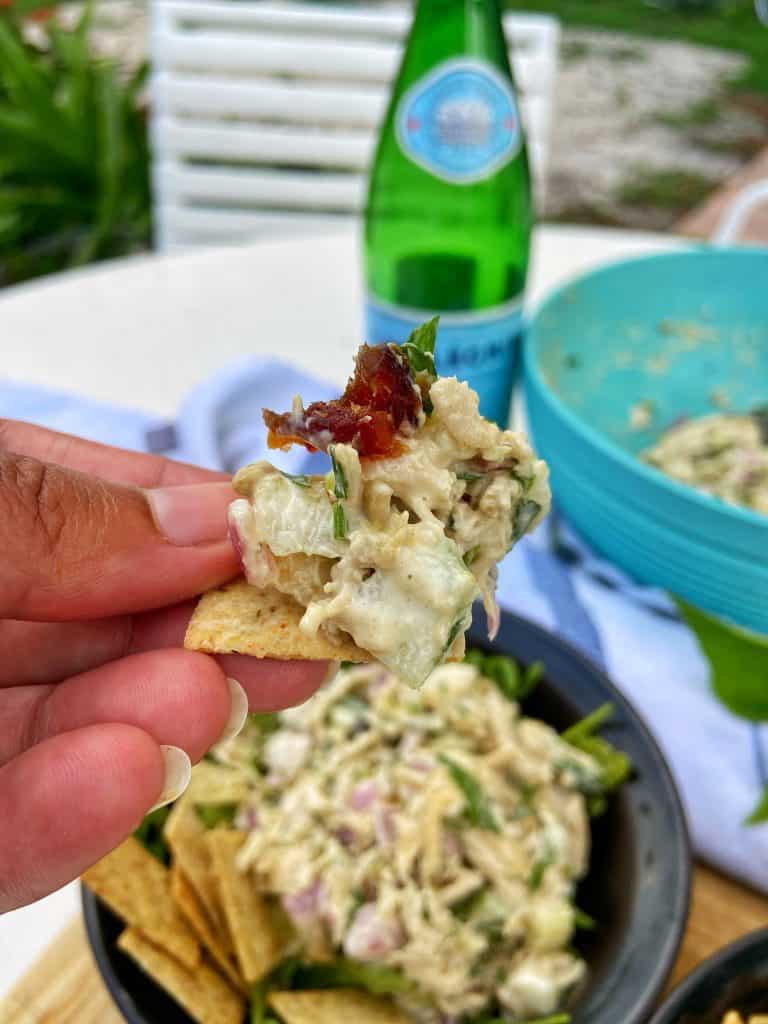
x=239, y=619
x=136, y=886
x=185, y=835
x=258, y=939
x=335, y=1006
x=203, y=993
x=217, y=944
x=217, y=784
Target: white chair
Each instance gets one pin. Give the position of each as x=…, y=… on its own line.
x=265, y=115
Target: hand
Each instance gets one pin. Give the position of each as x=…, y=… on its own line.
x=101, y=712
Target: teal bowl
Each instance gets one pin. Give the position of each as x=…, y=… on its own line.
x=614, y=358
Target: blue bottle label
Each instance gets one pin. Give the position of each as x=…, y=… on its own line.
x=479, y=347
x=460, y=122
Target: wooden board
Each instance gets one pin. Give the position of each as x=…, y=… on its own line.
x=64, y=986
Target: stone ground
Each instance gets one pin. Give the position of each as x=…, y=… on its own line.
x=643, y=129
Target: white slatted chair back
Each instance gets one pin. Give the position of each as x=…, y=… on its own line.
x=265, y=115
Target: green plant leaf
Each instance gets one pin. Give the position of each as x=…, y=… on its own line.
x=738, y=660
x=760, y=813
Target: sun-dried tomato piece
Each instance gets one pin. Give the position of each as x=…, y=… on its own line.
x=380, y=400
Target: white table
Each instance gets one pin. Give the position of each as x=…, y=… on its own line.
x=143, y=332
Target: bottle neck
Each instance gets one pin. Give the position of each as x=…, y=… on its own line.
x=471, y=27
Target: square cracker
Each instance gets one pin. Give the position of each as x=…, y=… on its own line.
x=216, y=943
x=255, y=931
x=136, y=886
x=203, y=993
x=239, y=619
x=335, y=1006
x=185, y=835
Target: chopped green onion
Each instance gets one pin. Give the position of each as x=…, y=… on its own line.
x=300, y=479
x=213, y=815
x=340, y=485
x=536, y=876
x=478, y=808
x=471, y=555
x=340, y=524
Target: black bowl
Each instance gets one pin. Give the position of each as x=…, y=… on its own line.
x=734, y=978
x=638, y=884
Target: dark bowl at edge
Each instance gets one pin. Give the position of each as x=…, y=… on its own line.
x=734, y=978
x=638, y=884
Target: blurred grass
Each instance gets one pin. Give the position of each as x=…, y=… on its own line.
x=666, y=189
x=734, y=26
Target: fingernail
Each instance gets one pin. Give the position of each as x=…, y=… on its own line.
x=178, y=772
x=192, y=513
x=238, y=710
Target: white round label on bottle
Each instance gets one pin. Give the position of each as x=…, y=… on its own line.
x=460, y=122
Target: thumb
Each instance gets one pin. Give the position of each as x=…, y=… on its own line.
x=73, y=546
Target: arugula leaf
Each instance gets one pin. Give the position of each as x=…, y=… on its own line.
x=760, y=813
x=615, y=766
x=738, y=659
x=340, y=484
x=150, y=834
x=377, y=979
x=267, y=721
x=212, y=815
x=340, y=523
x=300, y=479
x=515, y=683
x=583, y=920
x=478, y=809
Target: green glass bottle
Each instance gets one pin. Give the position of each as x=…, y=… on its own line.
x=449, y=212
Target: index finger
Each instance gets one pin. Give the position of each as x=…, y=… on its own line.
x=102, y=460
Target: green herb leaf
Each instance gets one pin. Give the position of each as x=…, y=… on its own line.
x=478, y=808
x=536, y=876
x=453, y=632
x=469, y=475
x=300, y=479
x=340, y=485
x=267, y=721
x=760, y=814
x=340, y=524
x=526, y=514
x=213, y=815
x=424, y=337
x=583, y=920
x=471, y=555
x=150, y=834
x=738, y=660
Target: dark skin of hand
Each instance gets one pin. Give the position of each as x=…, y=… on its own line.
x=102, y=553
